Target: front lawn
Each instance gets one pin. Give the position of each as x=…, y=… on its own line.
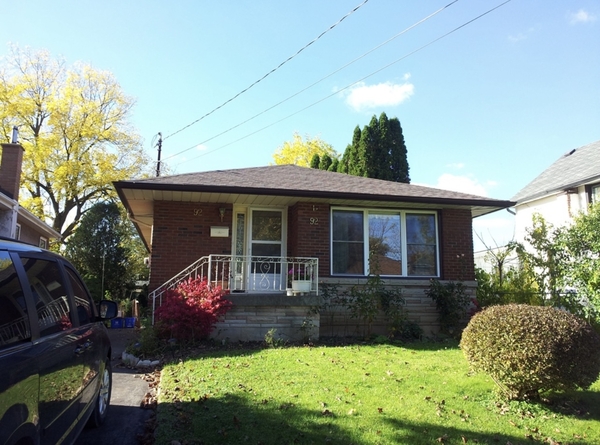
x=360, y=394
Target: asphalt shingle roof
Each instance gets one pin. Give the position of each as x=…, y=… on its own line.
x=294, y=180
x=577, y=167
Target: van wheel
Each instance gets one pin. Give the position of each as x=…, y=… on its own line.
x=103, y=400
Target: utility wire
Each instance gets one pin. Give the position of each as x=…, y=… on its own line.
x=318, y=81
x=355, y=82
x=270, y=72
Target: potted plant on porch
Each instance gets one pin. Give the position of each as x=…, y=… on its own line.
x=300, y=278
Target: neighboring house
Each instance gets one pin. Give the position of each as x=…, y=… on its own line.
x=15, y=221
x=252, y=230
x=560, y=192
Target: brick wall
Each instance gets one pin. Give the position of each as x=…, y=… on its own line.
x=456, y=241
x=10, y=169
x=253, y=315
x=181, y=235
x=308, y=233
x=336, y=320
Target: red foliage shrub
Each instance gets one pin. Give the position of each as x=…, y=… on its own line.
x=190, y=311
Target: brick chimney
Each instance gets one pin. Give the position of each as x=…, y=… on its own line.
x=10, y=168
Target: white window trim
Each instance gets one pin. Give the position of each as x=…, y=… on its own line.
x=17, y=231
x=366, y=211
x=43, y=241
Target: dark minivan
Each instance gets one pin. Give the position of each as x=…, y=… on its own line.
x=55, y=373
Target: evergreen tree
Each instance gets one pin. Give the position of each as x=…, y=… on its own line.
x=369, y=149
x=355, y=164
x=398, y=153
x=315, y=161
x=343, y=163
x=326, y=162
x=378, y=151
x=334, y=165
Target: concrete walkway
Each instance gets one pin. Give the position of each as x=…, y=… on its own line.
x=125, y=419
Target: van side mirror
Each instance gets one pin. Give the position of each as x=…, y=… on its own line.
x=107, y=309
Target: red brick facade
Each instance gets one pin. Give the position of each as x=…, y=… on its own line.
x=308, y=233
x=456, y=240
x=10, y=169
x=182, y=235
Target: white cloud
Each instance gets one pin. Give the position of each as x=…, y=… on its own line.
x=517, y=38
x=463, y=184
x=362, y=96
x=201, y=147
x=456, y=165
x=514, y=38
x=581, y=16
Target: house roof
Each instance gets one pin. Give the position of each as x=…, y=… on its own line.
x=25, y=217
x=286, y=185
x=580, y=166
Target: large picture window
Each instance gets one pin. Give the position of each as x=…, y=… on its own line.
x=392, y=243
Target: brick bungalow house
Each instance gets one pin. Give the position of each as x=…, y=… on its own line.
x=253, y=230
x=15, y=221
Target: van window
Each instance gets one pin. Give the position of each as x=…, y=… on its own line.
x=14, y=322
x=82, y=298
x=49, y=295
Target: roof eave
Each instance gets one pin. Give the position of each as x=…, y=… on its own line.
x=497, y=204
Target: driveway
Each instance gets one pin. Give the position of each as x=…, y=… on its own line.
x=125, y=420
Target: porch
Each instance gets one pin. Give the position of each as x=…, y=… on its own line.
x=262, y=277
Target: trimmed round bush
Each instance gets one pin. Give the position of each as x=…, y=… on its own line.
x=528, y=349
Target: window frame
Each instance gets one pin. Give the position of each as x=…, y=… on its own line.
x=369, y=211
x=590, y=192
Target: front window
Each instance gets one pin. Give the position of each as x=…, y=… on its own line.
x=398, y=243
x=595, y=194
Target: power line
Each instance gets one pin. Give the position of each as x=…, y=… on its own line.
x=355, y=82
x=270, y=72
x=318, y=81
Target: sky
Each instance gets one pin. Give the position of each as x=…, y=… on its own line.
x=489, y=93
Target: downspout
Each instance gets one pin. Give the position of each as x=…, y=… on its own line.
x=13, y=222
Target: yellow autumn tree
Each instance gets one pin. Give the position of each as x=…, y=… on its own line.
x=300, y=152
x=74, y=126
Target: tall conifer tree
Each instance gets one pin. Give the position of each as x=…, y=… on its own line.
x=378, y=151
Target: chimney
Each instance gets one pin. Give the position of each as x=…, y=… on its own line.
x=10, y=167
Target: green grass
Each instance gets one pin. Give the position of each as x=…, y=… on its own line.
x=367, y=394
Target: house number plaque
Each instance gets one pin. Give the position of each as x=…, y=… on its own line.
x=197, y=212
x=314, y=221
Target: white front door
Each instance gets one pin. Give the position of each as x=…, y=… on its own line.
x=265, y=247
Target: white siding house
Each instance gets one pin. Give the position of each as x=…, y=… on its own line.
x=560, y=192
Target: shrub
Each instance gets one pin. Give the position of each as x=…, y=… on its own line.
x=366, y=301
x=528, y=349
x=191, y=311
x=452, y=303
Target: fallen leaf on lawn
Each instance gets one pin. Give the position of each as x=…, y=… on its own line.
x=380, y=410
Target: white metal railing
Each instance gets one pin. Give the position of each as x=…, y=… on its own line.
x=237, y=273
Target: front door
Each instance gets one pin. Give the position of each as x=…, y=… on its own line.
x=265, y=247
